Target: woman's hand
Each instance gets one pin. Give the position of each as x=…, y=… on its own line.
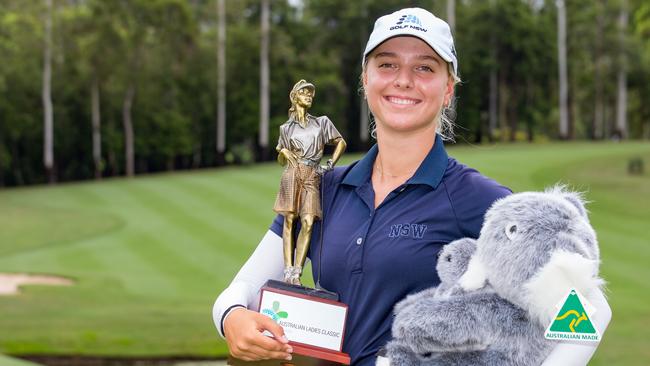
x=243, y=330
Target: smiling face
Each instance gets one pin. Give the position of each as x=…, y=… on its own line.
x=406, y=85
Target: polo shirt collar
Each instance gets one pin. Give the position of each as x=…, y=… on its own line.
x=309, y=117
x=429, y=172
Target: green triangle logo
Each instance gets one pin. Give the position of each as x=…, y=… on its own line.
x=572, y=321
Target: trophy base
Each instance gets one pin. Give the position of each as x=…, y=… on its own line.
x=303, y=355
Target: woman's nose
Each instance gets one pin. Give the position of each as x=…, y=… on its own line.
x=404, y=79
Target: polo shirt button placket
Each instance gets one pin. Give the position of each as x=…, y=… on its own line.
x=359, y=241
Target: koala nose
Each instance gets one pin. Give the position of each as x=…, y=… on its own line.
x=575, y=244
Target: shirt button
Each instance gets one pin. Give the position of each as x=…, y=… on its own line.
x=359, y=241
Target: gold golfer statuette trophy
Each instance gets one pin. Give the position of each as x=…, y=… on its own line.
x=313, y=319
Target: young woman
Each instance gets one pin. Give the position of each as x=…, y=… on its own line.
x=387, y=216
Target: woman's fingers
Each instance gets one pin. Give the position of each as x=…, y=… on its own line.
x=245, y=340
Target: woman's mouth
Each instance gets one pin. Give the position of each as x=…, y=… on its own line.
x=401, y=100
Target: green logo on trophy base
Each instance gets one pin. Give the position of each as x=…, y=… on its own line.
x=275, y=313
x=572, y=322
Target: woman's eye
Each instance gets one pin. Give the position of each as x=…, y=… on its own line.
x=387, y=66
x=425, y=68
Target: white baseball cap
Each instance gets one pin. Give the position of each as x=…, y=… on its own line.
x=419, y=23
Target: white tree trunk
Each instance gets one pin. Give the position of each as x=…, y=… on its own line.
x=48, y=117
x=621, y=95
x=494, y=85
x=264, y=79
x=96, y=123
x=128, y=130
x=599, y=107
x=562, y=63
x=451, y=14
x=221, y=77
x=364, y=113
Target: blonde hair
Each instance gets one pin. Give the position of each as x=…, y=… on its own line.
x=445, y=119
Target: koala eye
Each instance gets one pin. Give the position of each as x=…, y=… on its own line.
x=448, y=257
x=511, y=230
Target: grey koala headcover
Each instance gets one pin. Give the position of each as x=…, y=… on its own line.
x=533, y=247
x=453, y=259
x=555, y=247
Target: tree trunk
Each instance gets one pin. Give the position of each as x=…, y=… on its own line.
x=221, y=80
x=264, y=82
x=621, y=95
x=96, y=123
x=562, y=63
x=129, y=155
x=494, y=91
x=364, y=113
x=503, y=104
x=530, y=100
x=513, y=112
x=599, y=112
x=48, y=122
x=451, y=14
x=494, y=86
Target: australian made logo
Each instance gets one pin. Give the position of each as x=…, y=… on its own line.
x=572, y=322
x=408, y=21
x=275, y=313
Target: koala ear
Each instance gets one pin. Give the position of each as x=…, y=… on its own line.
x=475, y=277
x=576, y=199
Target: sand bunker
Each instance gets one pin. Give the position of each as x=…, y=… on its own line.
x=10, y=282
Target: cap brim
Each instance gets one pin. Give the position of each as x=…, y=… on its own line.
x=372, y=46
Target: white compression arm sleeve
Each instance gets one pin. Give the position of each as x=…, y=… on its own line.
x=578, y=354
x=265, y=263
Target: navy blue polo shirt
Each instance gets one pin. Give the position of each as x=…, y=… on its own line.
x=374, y=257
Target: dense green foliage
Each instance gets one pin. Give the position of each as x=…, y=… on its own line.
x=150, y=254
x=165, y=50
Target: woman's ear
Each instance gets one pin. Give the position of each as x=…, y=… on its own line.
x=449, y=92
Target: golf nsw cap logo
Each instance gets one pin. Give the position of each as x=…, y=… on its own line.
x=573, y=320
x=410, y=19
x=419, y=23
x=275, y=313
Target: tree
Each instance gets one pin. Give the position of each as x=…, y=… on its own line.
x=562, y=65
x=263, y=140
x=96, y=28
x=451, y=14
x=48, y=113
x=221, y=81
x=599, y=102
x=621, y=95
x=494, y=91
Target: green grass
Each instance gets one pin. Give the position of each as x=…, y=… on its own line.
x=8, y=361
x=151, y=253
